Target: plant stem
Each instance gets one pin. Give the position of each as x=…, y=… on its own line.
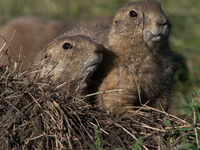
x=195, y=122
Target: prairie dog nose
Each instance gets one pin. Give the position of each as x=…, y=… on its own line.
x=165, y=27
x=162, y=24
x=98, y=50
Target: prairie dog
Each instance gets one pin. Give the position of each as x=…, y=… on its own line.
x=139, y=36
x=33, y=34
x=69, y=58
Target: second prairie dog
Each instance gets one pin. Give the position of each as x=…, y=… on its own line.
x=139, y=36
x=32, y=34
x=69, y=59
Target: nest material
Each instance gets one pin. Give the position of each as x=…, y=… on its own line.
x=38, y=116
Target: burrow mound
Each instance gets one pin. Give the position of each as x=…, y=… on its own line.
x=38, y=116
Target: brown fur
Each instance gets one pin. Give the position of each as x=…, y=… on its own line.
x=104, y=22
x=32, y=34
x=69, y=65
x=143, y=68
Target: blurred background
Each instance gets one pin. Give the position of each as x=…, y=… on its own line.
x=185, y=34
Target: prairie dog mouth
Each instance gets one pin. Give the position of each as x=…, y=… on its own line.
x=92, y=63
x=155, y=36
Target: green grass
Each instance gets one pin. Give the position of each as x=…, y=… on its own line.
x=192, y=109
x=185, y=37
x=59, y=9
x=183, y=14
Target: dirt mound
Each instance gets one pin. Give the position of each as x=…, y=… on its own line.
x=37, y=116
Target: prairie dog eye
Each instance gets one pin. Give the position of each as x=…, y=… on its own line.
x=132, y=13
x=67, y=46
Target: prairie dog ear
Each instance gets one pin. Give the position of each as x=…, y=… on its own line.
x=45, y=55
x=116, y=21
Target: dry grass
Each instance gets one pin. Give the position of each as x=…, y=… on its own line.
x=37, y=116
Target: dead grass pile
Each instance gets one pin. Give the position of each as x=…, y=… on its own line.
x=37, y=116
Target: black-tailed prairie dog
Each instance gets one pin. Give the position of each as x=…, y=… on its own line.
x=139, y=35
x=31, y=36
x=69, y=59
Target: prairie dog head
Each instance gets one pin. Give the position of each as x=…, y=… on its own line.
x=70, y=58
x=143, y=19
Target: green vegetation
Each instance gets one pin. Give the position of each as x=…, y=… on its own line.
x=190, y=140
x=137, y=146
x=193, y=109
x=59, y=9
x=185, y=37
x=97, y=138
